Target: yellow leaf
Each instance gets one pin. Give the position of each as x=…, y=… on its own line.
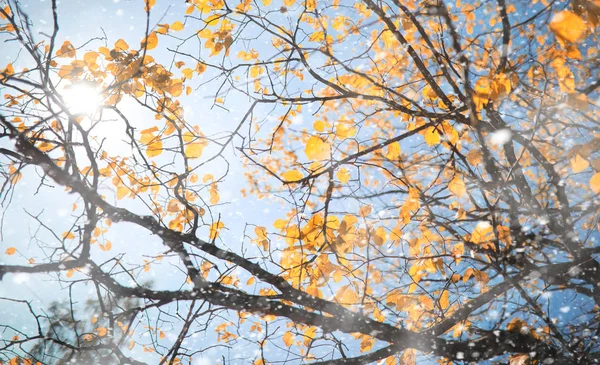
x=214, y=194
x=121, y=45
x=457, y=251
x=177, y=26
x=149, y=5
x=432, y=136
x=68, y=235
x=459, y=328
x=102, y=331
x=365, y=210
x=475, y=157
x=131, y=344
x=379, y=236
x=215, y=228
x=343, y=175
x=345, y=129
x=391, y=360
x=66, y=50
x=468, y=273
x=457, y=186
x=173, y=206
x=70, y=273
x=317, y=36
x=429, y=93
x=194, y=150
x=288, y=3
x=90, y=57
x=317, y=149
x=579, y=163
x=310, y=334
x=154, y=148
x=366, y=344
x=10, y=251
x=444, y=300
x=568, y=26
x=288, y=338
x=151, y=41
x=122, y=191
x=255, y=71
x=346, y=295
x=292, y=175
x=483, y=232
x=595, y=183
x=161, y=335
x=188, y=73
x=106, y=247
x=393, y=151
x=280, y=224
x=319, y=125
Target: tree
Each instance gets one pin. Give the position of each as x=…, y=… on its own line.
x=420, y=183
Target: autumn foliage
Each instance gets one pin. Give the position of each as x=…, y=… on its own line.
x=316, y=182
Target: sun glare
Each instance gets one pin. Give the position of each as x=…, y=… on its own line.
x=81, y=98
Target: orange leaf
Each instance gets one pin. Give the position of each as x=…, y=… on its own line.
x=408, y=357
x=568, y=26
x=149, y=5
x=288, y=338
x=595, y=183
x=444, y=300
x=391, y=360
x=10, y=251
x=215, y=228
x=346, y=295
x=579, y=163
x=68, y=235
x=121, y=45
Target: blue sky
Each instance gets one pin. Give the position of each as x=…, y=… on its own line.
x=80, y=21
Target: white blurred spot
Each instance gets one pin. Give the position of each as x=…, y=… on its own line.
x=20, y=278
x=501, y=136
